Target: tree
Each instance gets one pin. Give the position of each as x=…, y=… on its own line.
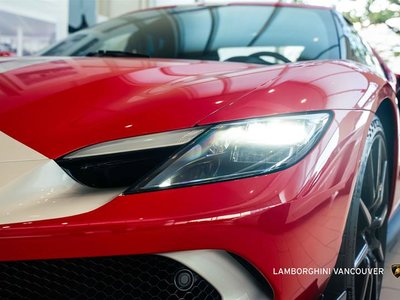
x=381, y=16
x=369, y=16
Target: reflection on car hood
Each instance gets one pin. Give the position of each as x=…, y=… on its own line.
x=58, y=105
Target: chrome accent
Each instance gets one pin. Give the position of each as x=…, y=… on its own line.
x=43, y=191
x=149, y=141
x=221, y=270
x=361, y=256
x=343, y=296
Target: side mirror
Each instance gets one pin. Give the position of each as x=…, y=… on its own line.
x=398, y=86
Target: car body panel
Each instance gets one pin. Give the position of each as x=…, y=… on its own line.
x=66, y=104
x=267, y=226
x=244, y=216
x=294, y=218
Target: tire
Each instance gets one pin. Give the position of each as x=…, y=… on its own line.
x=364, y=239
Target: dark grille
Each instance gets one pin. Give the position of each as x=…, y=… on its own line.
x=120, y=277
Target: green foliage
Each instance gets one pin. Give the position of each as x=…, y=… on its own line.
x=368, y=15
x=381, y=17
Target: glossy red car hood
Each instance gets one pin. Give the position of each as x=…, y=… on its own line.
x=58, y=105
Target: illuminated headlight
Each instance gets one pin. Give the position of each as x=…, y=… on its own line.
x=240, y=149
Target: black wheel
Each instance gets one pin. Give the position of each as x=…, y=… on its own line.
x=364, y=240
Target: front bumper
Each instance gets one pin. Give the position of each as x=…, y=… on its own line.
x=289, y=219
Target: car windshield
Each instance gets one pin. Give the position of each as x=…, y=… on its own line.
x=242, y=33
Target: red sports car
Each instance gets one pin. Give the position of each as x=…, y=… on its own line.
x=199, y=152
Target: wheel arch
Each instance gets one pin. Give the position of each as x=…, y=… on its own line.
x=388, y=115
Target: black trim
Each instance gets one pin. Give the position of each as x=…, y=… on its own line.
x=260, y=280
x=339, y=33
x=116, y=170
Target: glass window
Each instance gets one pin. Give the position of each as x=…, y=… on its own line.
x=195, y=29
x=238, y=26
x=360, y=52
x=312, y=29
x=244, y=33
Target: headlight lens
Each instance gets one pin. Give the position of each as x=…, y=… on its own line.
x=241, y=149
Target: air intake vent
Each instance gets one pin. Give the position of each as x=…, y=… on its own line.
x=120, y=277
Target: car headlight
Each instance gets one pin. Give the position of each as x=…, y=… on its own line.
x=124, y=162
x=240, y=149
